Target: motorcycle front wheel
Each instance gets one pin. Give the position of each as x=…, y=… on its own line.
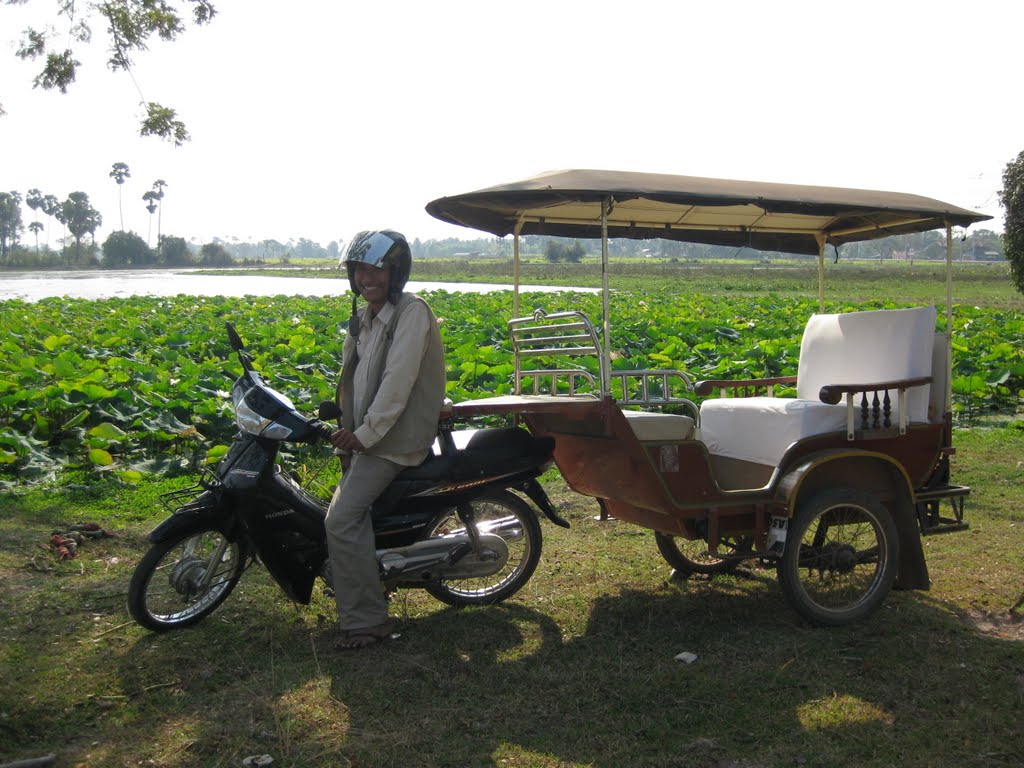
x=184, y=579
x=508, y=516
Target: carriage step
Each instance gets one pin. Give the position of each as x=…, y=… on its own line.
x=945, y=525
x=929, y=506
x=943, y=492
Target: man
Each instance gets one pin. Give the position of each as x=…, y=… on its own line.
x=391, y=391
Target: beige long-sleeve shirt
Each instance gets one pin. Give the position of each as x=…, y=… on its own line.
x=373, y=418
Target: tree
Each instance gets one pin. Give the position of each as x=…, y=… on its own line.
x=158, y=197
x=270, y=249
x=150, y=197
x=35, y=227
x=984, y=244
x=574, y=253
x=1012, y=198
x=174, y=251
x=80, y=218
x=119, y=172
x=10, y=222
x=34, y=200
x=122, y=249
x=129, y=25
x=214, y=255
x=554, y=251
x=50, y=206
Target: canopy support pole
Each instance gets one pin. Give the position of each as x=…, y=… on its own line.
x=821, y=272
x=949, y=315
x=606, y=205
x=949, y=278
x=515, y=266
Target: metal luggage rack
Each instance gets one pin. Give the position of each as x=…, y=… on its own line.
x=571, y=334
x=185, y=497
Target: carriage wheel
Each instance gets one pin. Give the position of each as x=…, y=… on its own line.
x=690, y=556
x=841, y=556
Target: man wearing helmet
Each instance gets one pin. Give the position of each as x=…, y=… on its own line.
x=390, y=394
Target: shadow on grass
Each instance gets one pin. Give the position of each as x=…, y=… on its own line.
x=518, y=685
x=503, y=686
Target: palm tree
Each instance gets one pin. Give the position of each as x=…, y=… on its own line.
x=158, y=189
x=34, y=200
x=35, y=228
x=50, y=206
x=150, y=197
x=119, y=172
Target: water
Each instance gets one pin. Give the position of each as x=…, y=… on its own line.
x=103, y=284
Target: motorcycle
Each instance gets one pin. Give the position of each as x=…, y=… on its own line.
x=456, y=526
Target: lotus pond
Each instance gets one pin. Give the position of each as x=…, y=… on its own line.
x=140, y=385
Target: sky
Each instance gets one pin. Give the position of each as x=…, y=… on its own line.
x=316, y=118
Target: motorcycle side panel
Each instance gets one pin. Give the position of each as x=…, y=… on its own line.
x=247, y=459
x=286, y=527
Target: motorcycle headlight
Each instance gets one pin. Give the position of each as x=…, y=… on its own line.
x=253, y=423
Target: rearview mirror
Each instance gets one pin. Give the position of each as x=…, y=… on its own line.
x=328, y=410
x=234, y=338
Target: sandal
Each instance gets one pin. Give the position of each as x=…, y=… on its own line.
x=356, y=639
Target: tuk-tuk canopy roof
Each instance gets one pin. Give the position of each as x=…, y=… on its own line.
x=790, y=218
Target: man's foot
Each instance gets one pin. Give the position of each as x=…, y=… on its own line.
x=355, y=639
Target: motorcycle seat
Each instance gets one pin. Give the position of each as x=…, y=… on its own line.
x=487, y=451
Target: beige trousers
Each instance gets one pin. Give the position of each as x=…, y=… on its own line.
x=350, y=542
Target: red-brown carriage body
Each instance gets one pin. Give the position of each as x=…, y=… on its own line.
x=835, y=486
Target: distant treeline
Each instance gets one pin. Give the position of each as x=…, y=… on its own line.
x=981, y=245
x=126, y=249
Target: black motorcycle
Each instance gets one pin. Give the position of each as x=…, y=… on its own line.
x=451, y=525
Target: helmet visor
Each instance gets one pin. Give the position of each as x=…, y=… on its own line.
x=369, y=248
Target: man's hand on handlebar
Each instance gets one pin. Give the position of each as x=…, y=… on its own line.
x=346, y=441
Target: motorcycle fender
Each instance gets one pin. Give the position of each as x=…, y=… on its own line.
x=188, y=518
x=538, y=496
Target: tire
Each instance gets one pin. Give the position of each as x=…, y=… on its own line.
x=164, y=592
x=524, y=542
x=690, y=556
x=841, y=557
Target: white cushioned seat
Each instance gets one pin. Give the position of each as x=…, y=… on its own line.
x=760, y=429
x=853, y=348
x=659, y=427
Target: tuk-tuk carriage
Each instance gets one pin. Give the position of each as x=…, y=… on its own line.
x=834, y=486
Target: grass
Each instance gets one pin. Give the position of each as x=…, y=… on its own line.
x=578, y=669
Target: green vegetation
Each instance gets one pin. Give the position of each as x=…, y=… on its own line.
x=129, y=29
x=139, y=386
x=1012, y=198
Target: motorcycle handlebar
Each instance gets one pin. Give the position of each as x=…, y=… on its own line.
x=323, y=431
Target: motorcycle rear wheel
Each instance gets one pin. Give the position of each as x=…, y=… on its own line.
x=167, y=590
x=522, y=535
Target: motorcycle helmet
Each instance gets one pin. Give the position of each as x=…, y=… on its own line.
x=380, y=248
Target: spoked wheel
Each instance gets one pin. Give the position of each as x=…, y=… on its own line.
x=840, y=558
x=690, y=556
x=183, y=579
x=508, y=516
